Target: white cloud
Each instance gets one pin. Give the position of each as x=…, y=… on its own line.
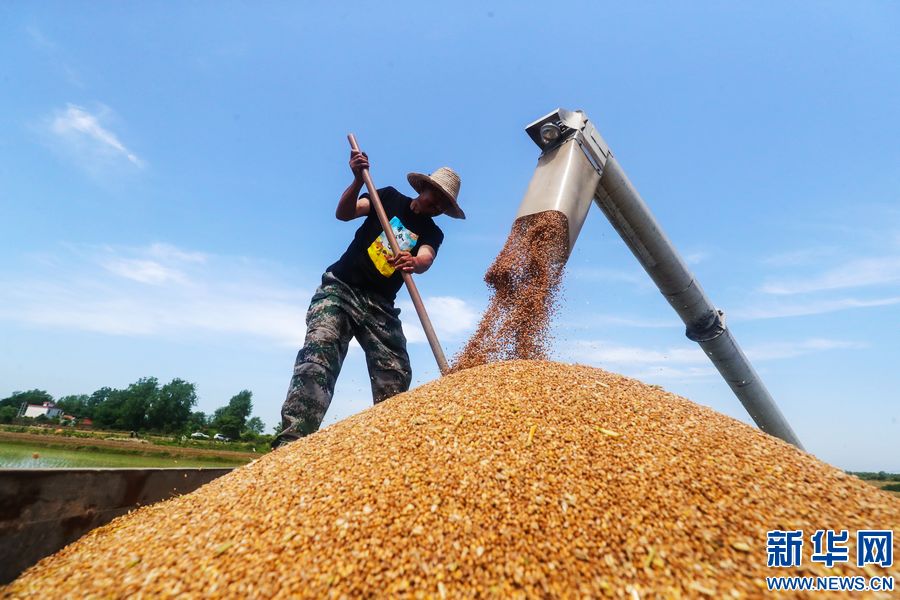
x=648, y=364
x=856, y=273
x=169, y=252
x=93, y=146
x=603, y=352
x=595, y=320
x=77, y=121
x=163, y=264
x=667, y=373
x=802, y=257
x=452, y=318
x=800, y=309
x=159, y=290
x=782, y=350
x=164, y=291
x=686, y=362
x=635, y=277
x=695, y=258
x=144, y=271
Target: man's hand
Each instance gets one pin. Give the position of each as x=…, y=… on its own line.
x=404, y=262
x=358, y=162
x=350, y=205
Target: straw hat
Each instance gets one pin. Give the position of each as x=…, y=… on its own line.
x=444, y=180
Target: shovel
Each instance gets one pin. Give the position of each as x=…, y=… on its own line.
x=407, y=277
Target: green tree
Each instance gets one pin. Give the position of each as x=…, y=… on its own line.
x=232, y=419
x=126, y=409
x=106, y=405
x=228, y=425
x=170, y=408
x=241, y=405
x=96, y=399
x=76, y=405
x=197, y=421
x=30, y=397
x=255, y=426
x=7, y=414
x=138, y=398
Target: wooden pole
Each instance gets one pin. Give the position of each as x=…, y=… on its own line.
x=375, y=201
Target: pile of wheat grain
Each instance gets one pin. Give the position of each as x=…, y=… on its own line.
x=522, y=478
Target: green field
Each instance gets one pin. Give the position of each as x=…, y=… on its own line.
x=882, y=484
x=22, y=456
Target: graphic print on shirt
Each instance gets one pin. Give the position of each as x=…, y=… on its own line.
x=380, y=249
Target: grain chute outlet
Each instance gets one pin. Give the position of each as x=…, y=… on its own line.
x=575, y=169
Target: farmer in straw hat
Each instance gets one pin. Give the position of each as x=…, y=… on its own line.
x=356, y=298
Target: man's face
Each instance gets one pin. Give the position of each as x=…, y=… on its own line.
x=429, y=202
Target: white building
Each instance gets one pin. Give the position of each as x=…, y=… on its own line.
x=48, y=409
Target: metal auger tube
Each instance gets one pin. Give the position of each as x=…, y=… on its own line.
x=576, y=166
x=631, y=217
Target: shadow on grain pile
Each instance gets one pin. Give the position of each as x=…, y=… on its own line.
x=526, y=478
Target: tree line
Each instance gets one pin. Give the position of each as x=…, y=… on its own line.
x=879, y=476
x=146, y=406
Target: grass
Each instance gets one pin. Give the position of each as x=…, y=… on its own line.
x=889, y=487
x=144, y=450
x=24, y=455
x=261, y=445
x=888, y=482
x=59, y=451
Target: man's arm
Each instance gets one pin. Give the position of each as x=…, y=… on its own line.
x=351, y=205
x=408, y=263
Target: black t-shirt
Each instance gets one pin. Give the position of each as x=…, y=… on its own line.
x=364, y=265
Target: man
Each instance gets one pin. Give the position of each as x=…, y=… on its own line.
x=356, y=298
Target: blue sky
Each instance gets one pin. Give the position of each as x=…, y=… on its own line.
x=169, y=172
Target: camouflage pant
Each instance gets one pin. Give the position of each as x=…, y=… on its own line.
x=337, y=313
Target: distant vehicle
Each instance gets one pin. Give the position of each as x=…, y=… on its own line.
x=199, y=435
x=221, y=438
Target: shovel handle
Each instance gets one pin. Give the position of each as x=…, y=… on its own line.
x=375, y=201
